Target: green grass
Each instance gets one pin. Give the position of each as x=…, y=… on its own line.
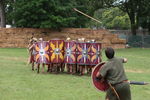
x=18, y=82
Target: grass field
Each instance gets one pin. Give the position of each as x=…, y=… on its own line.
x=18, y=82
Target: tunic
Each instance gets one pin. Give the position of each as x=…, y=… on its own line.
x=113, y=72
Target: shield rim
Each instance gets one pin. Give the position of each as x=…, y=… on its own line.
x=92, y=75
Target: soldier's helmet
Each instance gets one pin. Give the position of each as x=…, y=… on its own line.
x=93, y=41
x=34, y=40
x=83, y=39
x=40, y=39
x=68, y=39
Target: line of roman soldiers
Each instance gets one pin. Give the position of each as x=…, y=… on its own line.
x=70, y=68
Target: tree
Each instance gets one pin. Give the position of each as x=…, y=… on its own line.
x=112, y=18
x=144, y=15
x=132, y=7
x=2, y=14
x=47, y=13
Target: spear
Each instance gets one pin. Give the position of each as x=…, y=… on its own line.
x=86, y=15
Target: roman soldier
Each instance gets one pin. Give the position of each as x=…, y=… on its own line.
x=31, y=50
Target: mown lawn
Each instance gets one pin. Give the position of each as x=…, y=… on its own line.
x=18, y=82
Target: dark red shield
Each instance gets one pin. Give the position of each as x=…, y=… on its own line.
x=83, y=56
x=102, y=86
x=57, y=51
x=95, y=53
x=70, y=52
x=42, y=52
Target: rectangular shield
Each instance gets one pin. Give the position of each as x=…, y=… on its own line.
x=70, y=52
x=83, y=57
x=95, y=53
x=56, y=51
x=42, y=52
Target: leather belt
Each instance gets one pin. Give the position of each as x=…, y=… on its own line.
x=120, y=82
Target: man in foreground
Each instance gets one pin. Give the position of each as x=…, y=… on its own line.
x=113, y=72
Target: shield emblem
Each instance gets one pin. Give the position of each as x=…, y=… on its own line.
x=42, y=52
x=95, y=53
x=83, y=56
x=70, y=52
x=57, y=51
x=102, y=86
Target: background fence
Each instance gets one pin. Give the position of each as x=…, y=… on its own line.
x=142, y=39
x=139, y=41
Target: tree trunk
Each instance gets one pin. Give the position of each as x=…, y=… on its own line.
x=133, y=23
x=149, y=25
x=149, y=30
x=2, y=14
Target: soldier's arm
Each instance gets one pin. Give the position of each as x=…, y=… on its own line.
x=31, y=47
x=102, y=72
x=98, y=76
x=28, y=46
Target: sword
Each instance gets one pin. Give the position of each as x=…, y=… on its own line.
x=138, y=83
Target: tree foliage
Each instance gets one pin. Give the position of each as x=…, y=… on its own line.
x=134, y=9
x=59, y=13
x=111, y=18
x=46, y=13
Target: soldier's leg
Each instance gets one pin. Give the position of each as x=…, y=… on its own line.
x=43, y=66
x=90, y=69
x=74, y=68
x=38, y=68
x=110, y=95
x=82, y=68
x=58, y=68
x=78, y=68
x=67, y=68
x=62, y=67
x=48, y=67
x=52, y=67
x=123, y=91
x=71, y=68
x=55, y=68
x=32, y=66
x=28, y=62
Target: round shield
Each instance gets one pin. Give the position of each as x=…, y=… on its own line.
x=102, y=86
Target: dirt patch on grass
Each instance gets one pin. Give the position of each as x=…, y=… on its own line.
x=15, y=59
x=134, y=71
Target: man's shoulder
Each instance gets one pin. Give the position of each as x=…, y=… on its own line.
x=107, y=64
x=118, y=59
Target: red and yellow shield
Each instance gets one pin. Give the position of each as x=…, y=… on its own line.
x=83, y=56
x=70, y=52
x=56, y=51
x=42, y=52
x=95, y=53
